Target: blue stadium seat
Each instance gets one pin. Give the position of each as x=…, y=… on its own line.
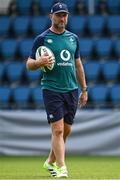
x=37, y=96
x=2, y=71
x=111, y=70
x=117, y=47
x=21, y=25
x=86, y=47
x=15, y=71
x=99, y=94
x=115, y=94
x=77, y=24
x=9, y=48
x=39, y=24
x=113, y=25
x=25, y=47
x=24, y=7
x=33, y=76
x=113, y=6
x=5, y=95
x=45, y=6
x=104, y=47
x=96, y=24
x=21, y=96
x=5, y=23
x=92, y=70
x=70, y=4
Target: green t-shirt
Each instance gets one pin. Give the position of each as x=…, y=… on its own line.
x=65, y=46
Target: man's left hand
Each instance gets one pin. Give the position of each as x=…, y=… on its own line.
x=83, y=98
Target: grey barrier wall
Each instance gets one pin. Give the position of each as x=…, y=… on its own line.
x=28, y=133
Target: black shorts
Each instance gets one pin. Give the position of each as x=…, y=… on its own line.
x=60, y=105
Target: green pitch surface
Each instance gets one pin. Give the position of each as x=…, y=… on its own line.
x=82, y=168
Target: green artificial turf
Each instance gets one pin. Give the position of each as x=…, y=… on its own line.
x=79, y=167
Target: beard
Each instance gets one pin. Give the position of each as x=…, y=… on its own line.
x=60, y=25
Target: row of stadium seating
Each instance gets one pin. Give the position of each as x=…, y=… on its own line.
x=28, y=97
x=95, y=25
x=102, y=71
x=15, y=72
x=25, y=7
x=20, y=97
x=101, y=47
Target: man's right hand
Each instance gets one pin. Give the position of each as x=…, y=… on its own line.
x=44, y=61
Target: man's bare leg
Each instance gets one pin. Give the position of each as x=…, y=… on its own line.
x=58, y=142
x=67, y=131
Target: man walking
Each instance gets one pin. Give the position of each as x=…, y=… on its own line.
x=60, y=85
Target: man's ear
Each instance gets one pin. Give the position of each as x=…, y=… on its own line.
x=50, y=16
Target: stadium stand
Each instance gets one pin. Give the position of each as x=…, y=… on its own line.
x=111, y=70
x=117, y=48
x=81, y=23
x=9, y=48
x=39, y=24
x=14, y=72
x=101, y=7
x=99, y=95
x=99, y=37
x=86, y=47
x=96, y=25
x=4, y=25
x=92, y=70
x=20, y=25
x=25, y=46
x=80, y=8
x=71, y=5
x=45, y=6
x=37, y=97
x=34, y=76
x=113, y=6
x=5, y=95
x=113, y=25
x=21, y=97
x=104, y=47
x=115, y=95
x=2, y=70
x=24, y=7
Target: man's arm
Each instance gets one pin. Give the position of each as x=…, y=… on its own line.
x=33, y=64
x=82, y=81
x=80, y=74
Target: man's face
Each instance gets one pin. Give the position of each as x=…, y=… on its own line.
x=59, y=20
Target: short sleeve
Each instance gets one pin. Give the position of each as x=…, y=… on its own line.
x=39, y=41
x=77, y=52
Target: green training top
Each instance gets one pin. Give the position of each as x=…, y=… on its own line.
x=65, y=46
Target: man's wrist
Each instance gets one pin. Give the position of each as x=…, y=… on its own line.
x=83, y=89
x=37, y=64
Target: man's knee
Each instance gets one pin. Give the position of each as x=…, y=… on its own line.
x=58, y=128
x=57, y=132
